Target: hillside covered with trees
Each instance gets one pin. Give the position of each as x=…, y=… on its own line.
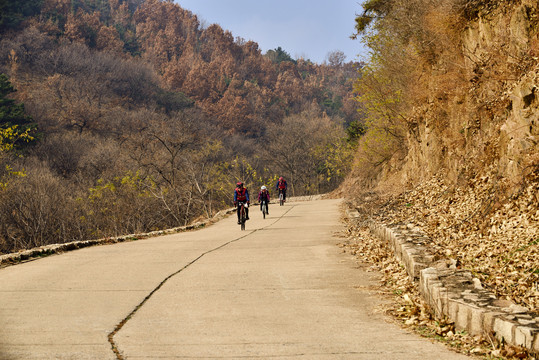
x=128, y=116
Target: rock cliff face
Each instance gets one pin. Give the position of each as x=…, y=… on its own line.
x=470, y=177
x=488, y=119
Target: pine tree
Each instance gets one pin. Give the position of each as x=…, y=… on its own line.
x=13, y=12
x=16, y=128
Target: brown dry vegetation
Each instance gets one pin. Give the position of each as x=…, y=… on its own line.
x=146, y=119
x=452, y=141
x=404, y=303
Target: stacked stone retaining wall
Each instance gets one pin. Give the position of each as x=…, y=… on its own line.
x=455, y=294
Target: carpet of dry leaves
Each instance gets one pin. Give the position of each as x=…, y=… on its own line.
x=488, y=226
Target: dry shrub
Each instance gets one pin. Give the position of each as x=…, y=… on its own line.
x=35, y=209
x=472, y=9
x=82, y=158
x=125, y=205
x=63, y=153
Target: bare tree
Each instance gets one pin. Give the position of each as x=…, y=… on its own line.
x=336, y=58
x=296, y=148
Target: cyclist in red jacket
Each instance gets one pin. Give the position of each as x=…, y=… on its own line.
x=281, y=186
x=241, y=195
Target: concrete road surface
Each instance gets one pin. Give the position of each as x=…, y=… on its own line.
x=282, y=289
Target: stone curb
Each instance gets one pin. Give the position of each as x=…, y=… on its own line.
x=46, y=250
x=456, y=294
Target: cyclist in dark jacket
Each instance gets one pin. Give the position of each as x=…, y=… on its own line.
x=281, y=186
x=241, y=195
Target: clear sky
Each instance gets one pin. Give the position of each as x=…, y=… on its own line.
x=303, y=28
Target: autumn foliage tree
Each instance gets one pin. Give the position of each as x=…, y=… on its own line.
x=148, y=119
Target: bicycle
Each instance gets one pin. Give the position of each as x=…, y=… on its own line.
x=243, y=214
x=264, y=208
x=281, y=197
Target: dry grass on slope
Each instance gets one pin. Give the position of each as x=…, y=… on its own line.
x=496, y=238
x=406, y=306
x=489, y=227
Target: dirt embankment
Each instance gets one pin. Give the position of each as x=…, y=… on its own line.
x=470, y=178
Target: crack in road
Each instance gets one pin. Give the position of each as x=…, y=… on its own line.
x=120, y=325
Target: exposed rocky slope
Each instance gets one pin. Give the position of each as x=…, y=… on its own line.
x=470, y=177
x=485, y=114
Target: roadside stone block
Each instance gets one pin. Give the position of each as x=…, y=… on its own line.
x=453, y=311
x=386, y=234
x=457, y=294
x=418, y=267
x=524, y=336
x=423, y=286
x=475, y=326
x=441, y=302
x=433, y=295
x=461, y=321
x=429, y=273
x=504, y=329
x=488, y=320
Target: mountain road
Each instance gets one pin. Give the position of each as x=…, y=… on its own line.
x=281, y=289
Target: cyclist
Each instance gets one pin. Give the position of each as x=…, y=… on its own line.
x=281, y=186
x=264, y=196
x=241, y=195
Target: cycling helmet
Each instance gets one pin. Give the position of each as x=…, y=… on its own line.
x=239, y=183
x=281, y=178
x=263, y=188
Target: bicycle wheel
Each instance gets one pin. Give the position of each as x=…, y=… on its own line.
x=281, y=200
x=243, y=217
x=264, y=210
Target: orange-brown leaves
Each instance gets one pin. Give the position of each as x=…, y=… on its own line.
x=83, y=27
x=108, y=39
